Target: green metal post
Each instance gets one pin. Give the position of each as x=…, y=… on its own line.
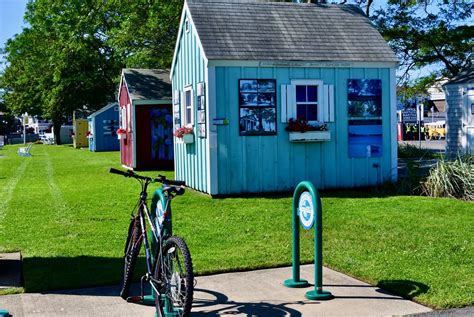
x=296, y=281
x=318, y=293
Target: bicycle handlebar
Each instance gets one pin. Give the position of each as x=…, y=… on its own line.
x=160, y=178
x=119, y=172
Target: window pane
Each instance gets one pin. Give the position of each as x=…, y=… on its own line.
x=311, y=112
x=301, y=112
x=188, y=115
x=312, y=93
x=307, y=112
x=188, y=98
x=300, y=93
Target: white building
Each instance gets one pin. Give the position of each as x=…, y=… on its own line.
x=460, y=114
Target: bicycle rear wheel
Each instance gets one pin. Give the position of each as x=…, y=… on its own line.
x=175, y=273
x=132, y=249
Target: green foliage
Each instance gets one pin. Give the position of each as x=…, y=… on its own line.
x=70, y=222
x=413, y=151
x=422, y=35
x=70, y=55
x=454, y=179
x=417, y=88
x=147, y=33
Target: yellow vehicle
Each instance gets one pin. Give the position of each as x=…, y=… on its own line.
x=436, y=130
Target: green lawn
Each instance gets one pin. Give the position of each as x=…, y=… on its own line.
x=69, y=218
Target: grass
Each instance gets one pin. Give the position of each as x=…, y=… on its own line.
x=69, y=218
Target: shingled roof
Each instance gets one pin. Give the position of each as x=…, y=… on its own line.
x=148, y=84
x=464, y=77
x=257, y=30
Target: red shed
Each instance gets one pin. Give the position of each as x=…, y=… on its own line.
x=146, y=127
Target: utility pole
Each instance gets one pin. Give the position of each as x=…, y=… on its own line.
x=25, y=121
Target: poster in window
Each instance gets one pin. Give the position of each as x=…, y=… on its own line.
x=365, y=98
x=201, y=103
x=161, y=134
x=202, y=130
x=176, y=97
x=365, y=138
x=257, y=106
x=110, y=127
x=200, y=89
x=201, y=116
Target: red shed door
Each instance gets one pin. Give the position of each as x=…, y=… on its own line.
x=154, y=137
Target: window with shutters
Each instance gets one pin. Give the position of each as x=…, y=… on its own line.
x=306, y=102
x=307, y=99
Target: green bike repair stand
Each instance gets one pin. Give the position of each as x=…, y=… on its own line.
x=4, y=313
x=307, y=207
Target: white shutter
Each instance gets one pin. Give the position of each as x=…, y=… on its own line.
x=283, y=103
x=291, y=101
x=331, y=103
x=328, y=103
x=287, y=102
x=325, y=104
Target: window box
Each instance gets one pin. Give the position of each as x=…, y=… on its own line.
x=188, y=138
x=310, y=136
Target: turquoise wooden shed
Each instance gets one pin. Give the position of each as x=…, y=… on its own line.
x=103, y=125
x=250, y=78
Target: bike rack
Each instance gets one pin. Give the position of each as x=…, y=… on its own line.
x=307, y=207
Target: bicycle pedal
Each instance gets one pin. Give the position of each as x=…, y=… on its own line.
x=134, y=299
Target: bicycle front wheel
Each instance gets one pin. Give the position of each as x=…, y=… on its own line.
x=175, y=273
x=132, y=249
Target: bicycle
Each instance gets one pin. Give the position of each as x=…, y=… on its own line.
x=168, y=261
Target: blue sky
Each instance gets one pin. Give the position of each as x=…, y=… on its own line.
x=11, y=23
x=11, y=19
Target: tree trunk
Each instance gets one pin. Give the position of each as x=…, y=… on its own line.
x=57, y=130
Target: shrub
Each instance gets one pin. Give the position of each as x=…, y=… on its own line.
x=412, y=151
x=451, y=179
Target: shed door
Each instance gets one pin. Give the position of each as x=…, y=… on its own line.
x=469, y=106
x=154, y=137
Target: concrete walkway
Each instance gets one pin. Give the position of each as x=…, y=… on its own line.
x=254, y=293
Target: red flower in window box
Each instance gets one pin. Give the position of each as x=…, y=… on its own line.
x=180, y=132
x=301, y=125
x=121, y=134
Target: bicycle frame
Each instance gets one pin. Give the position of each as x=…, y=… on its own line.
x=160, y=230
x=157, y=233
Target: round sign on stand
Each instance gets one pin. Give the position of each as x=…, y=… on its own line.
x=307, y=207
x=306, y=210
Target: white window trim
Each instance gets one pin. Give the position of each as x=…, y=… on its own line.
x=319, y=102
x=191, y=120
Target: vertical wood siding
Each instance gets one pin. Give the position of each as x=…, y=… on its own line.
x=126, y=145
x=272, y=163
x=105, y=142
x=190, y=67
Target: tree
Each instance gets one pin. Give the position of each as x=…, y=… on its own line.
x=62, y=62
x=147, y=35
x=423, y=35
